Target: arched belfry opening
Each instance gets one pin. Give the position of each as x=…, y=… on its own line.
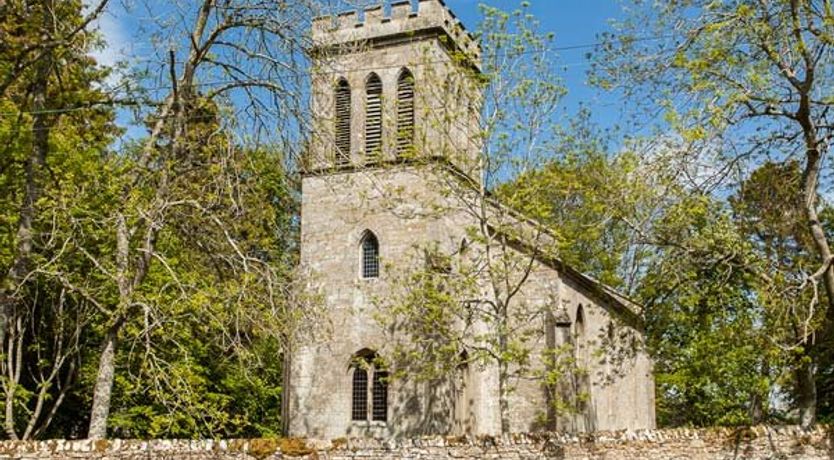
x=405, y=112
x=373, y=116
x=342, y=132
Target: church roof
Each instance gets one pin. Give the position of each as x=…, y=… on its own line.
x=629, y=310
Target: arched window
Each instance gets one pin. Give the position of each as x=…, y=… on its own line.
x=405, y=112
x=373, y=115
x=367, y=368
x=359, y=409
x=581, y=354
x=583, y=381
x=370, y=255
x=342, y=131
x=380, y=396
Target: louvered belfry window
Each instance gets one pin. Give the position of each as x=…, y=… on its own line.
x=373, y=115
x=405, y=112
x=342, y=122
x=370, y=256
x=359, y=409
x=380, y=396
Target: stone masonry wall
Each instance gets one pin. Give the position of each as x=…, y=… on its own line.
x=719, y=443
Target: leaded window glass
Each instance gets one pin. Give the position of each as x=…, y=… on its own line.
x=380, y=396
x=360, y=393
x=370, y=256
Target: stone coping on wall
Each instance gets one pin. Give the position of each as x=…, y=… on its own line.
x=747, y=442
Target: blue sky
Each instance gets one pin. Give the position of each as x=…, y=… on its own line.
x=574, y=22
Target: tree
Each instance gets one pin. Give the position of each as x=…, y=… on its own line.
x=707, y=330
x=679, y=252
x=570, y=193
x=466, y=306
x=174, y=382
x=744, y=78
x=765, y=207
x=183, y=246
x=188, y=175
x=53, y=128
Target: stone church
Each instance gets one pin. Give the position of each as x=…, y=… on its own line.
x=394, y=131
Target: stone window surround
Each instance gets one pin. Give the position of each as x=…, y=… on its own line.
x=377, y=270
x=368, y=357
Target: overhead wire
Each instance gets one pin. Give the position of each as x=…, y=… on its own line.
x=335, y=72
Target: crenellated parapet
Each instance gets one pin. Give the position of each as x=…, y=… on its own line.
x=401, y=23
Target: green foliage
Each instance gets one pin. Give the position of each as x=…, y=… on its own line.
x=48, y=320
x=570, y=194
x=202, y=345
x=175, y=382
x=740, y=84
x=705, y=327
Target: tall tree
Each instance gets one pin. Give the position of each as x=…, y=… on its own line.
x=768, y=216
x=679, y=252
x=466, y=305
x=241, y=60
x=52, y=132
x=747, y=78
x=706, y=328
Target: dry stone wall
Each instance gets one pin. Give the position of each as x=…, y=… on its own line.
x=721, y=443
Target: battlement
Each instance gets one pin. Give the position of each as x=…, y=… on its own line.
x=373, y=25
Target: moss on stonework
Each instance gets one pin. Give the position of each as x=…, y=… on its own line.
x=338, y=443
x=456, y=440
x=262, y=448
x=101, y=445
x=294, y=447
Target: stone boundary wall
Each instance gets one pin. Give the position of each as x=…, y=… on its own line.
x=761, y=442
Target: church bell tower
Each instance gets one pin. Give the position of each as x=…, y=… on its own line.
x=394, y=93
x=394, y=84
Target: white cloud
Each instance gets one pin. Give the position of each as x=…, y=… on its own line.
x=118, y=45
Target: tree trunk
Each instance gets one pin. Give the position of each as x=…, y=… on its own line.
x=31, y=193
x=806, y=384
x=104, y=384
x=9, y=303
x=820, y=241
x=503, y=401
x=806, y=392
x=503, y=370
x=810, y=182
x=107, y=362
x=757, y=408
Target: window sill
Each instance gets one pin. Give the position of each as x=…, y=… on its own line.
x=368, y=423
